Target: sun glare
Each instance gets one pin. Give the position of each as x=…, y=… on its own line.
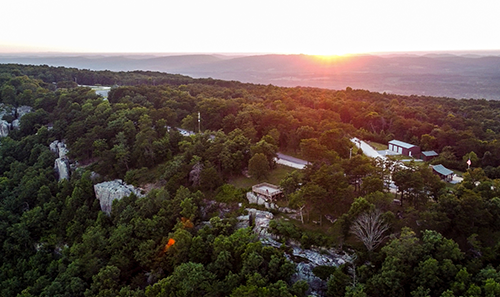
x=330, y=59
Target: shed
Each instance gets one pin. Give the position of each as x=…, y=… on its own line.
x=404, y=148
x=267, y=190
x=428, y=155
x=443, y=172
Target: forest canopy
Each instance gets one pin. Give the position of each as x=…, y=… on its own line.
x=442, y=240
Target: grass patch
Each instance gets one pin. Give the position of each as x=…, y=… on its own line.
x=275, y=176
x=378, y=146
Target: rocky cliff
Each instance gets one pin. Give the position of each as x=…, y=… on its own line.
x=61, y=164
x=109, y=191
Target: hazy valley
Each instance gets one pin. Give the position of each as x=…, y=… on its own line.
x=448, y=75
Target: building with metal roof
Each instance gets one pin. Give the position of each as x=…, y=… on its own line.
x=428, y=155
x=404, y=148
x=443, y=172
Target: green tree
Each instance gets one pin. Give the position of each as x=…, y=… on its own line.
x=258, y=166
x=8, y=95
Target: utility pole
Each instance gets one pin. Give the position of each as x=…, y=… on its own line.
x=199, y=122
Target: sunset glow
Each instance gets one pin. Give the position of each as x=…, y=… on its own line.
x=317, y=27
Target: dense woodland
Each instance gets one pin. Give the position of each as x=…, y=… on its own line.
x=442, y=240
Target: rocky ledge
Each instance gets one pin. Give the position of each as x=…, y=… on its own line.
x=109, y=191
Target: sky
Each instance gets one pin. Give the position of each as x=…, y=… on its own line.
x=316, y=27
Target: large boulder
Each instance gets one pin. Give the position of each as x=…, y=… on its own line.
x=59, y=148
x=16, y=124
x=109, y=191
x=53, y=147
x=61, y=165
x=260, y=221
x=4, y=128
x=243, y=222
x=62, y=150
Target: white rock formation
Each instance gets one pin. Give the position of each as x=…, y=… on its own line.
x=243, y=222
x=15, y=124
x=62, y=150
x=4, y=109
x=61, y=165
x=109, y=191
x=59, y=148
x=53, y=147
x=260, y=221
x=22, y=110
x=4, y=128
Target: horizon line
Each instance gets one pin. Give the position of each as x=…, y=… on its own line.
x=188, y=53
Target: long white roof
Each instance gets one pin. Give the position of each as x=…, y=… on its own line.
x=402, y=144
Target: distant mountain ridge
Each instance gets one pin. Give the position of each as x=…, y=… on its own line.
x=448, y=75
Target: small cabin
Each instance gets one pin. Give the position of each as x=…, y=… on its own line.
x=428, y=155
x=268, y=191
x=404, y=148
x=443, y=172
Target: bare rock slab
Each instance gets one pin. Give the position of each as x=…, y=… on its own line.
x=109, y=191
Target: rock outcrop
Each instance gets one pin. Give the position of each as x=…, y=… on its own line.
x=16, y=114
x=61, y=164
x=22, y=110
x=259, y=200
x=59, y=148
x=53, y=147
x=15, y=124
x=4, y=128
x=6, y=110
x=62, y=167
x=260, y=220
x=109, y=191
x=305, y=259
